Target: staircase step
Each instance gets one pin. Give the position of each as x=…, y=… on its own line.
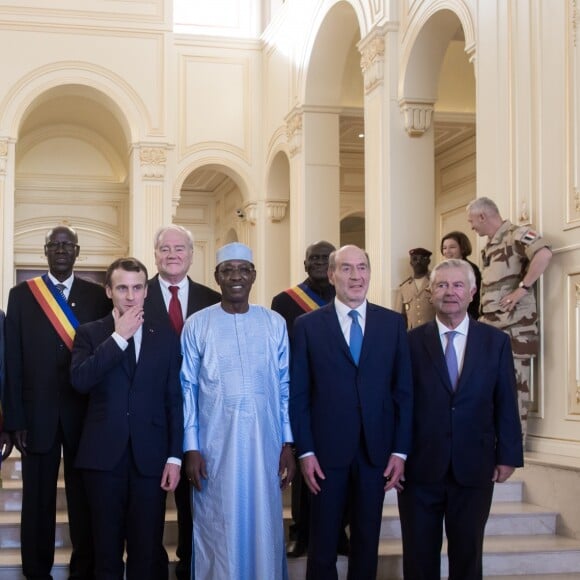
x=510, y=491
x=10, y=531
x=505, y=519
x=537, y=557
x=10, y=568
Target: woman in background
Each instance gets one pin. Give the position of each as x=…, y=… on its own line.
x=457, y=245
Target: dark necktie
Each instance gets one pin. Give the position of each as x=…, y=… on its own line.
x=356, y=336
x=61, y=288
x=175, y=313
x=131, y=356
x=451, y=359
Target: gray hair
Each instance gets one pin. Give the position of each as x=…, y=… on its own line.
x=332, y=257
x=483, y=205
x=455, y=263
x=175, y=228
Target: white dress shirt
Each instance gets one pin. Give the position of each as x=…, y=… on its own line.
x=67, y=283
x=182, y=294
x=459, y=340
x=345, y=320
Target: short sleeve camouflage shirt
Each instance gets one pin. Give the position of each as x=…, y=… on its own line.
x=505, y=260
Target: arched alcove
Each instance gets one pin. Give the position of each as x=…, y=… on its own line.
x=332, y=127
x=438, y=81
x=210, y=206
x=71, y=166
x=352, y=231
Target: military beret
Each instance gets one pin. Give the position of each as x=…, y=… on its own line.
x=420, y=252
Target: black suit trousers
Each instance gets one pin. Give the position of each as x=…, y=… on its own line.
x=39, y=485
x=182, y=496
x=128, y=512
x=424, y=508
x=360, y=486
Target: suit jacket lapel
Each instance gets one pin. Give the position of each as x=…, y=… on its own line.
x=371, y=327
x=155, y=295
x=147, y=350
x=75, y=299
x=433, y=346
x=471, y=355
x=191, y=298
x=331, y=318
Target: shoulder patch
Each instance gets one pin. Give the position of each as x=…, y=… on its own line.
x=529, y=237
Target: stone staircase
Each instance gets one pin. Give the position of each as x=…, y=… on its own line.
x=521, y=539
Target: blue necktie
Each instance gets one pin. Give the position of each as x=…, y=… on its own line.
x=451, y=359
x=61, y=288
x=356, y=336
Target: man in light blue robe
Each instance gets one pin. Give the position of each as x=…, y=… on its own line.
x=237, y=451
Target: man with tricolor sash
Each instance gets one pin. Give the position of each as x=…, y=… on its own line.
x=314, y=292
x=42, y=411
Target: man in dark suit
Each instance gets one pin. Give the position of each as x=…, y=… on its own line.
x=6, y=443
x=314, y=292
x=351, y=412
x=131, y=445
x=42, y=411
x=173, y=257
x=466, y=431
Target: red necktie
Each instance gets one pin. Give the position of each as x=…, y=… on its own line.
x=175, y=313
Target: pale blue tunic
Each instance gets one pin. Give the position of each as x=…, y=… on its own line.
x=235, y=391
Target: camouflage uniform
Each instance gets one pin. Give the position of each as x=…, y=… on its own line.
x=505, y=260
x=414, y=303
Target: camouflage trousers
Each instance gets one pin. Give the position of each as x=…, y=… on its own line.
x=523, y=368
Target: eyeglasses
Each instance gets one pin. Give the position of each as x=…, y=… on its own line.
x=229, y=271
x=67, y=246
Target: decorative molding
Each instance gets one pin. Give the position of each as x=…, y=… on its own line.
x=276, y=210
x=251, y=213
x=524, y=214
x=153, y=162
x=574, y=19
x=294, y=131
x=418, y=115
x=573, y=145
x=577, y=288
x=470, y=51
x=372, y=50
x=3, y=156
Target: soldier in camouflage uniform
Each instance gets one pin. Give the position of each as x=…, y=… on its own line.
x=513, y=259
x=414, y=297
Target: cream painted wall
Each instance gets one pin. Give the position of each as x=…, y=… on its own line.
x=173, y=104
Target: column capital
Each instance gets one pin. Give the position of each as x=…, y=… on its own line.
x=251, y=212
x=294, y=130
x=153, y=161
x=4, y=143
x=372, y=50
x=276, y=210
x=418, y=114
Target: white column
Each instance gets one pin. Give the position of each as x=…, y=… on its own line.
x=7, y=185
x=314, y=181
x=399, y=167
x=150, y=201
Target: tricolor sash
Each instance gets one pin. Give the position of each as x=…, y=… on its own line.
x=55, y=307
x=305, y=297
